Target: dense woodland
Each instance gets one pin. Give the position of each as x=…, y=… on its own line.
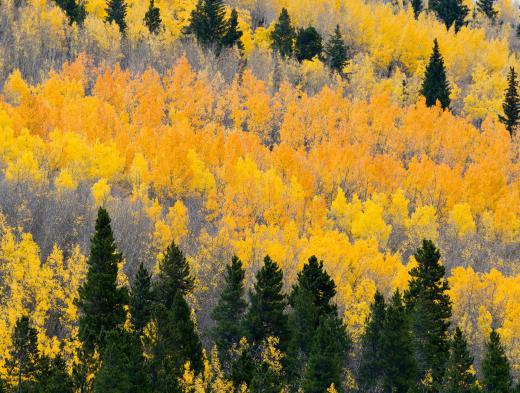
x=215, y=133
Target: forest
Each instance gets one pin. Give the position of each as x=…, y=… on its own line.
x=259, y=195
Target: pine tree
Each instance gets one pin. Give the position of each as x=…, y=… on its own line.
x=308, y=44
x=397, y=348
x=268, y=371
x=233, y=33
x=486, y=7
x=283, y=35
x=122, y=365
x=152, y=18
x=174, y=276
x=327, y=357
x=101, y=302
x=450, y=12
x=435, y=86
x=371, y=367
x=23, y=361
x=208, y=23
x=496, y=370
x=511, y=103
x=336, y=52
x=54, y=377
x=116, y=12
x=417, y=6
x=141, y=300
x=265, y=316
x=230, y=310
x=75, y=11
x=430, y=306
x=243, y=365
x=460, y=375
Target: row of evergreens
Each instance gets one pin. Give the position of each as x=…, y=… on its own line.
x=145, y=339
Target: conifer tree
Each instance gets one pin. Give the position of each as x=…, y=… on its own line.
x=268, y=371
x=265, y=316
x=308, y=44
x=430, y=306
x=208, y=23
x=336, y=51
x=75, y=11
x=233, y=33
x=54, y=377
x=496, y=370
x=152, y=18
x=283, y=35
x=417, y=6
x=397, y=348
x=174, y=276
x=435, y=85
x=101, y=302
x=141, y=299
x=122, y=365
x=116, y=12
x=486, y=7
x=230, y=310
x=511, y=103
x=460, y=375
x=371, y=367
x=450, y=12
x=243, y=365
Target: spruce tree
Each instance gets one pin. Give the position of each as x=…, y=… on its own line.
x=486, y=7
x=116, y=12
x=208, y=23
x=371, y=367
x=122, y=365
x=174, y=276
x=233, y=33
x=141, y=299
x=283, y=35
x=450, y=12
x=327, y=357
x=308, y=44
x=54, y=377
x=268, y=371
x=435, y=85
x=75, y=11
x=230, y=310
x=101, y=302
x=265, y=316
x=496, y=370
x=460, y=374
x=428, y=301
x=336, y=52
x=417, y=6
x=511, y=103
x=397, y=348
x=152, y=18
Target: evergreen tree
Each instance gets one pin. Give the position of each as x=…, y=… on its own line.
x=496, y=370
x=435, y=86
x=116, y=12
x=283, y=35
x=327, y=357
x=233, y=33
x=75, y=11
x=336, y=52
x=243, y=365
x=152, y=18
x=141, y=301
x=208, y=23
x=122, y=365
x=486, y=7
x=460, y=374
x=174, y=276
x=265, y=316
x=23, y=361
x=450, y=12
x=101, y=302
x=397, y=349
x=371, y=367
x=230, y=310
x=54, y=377
x=308, y=44
x=417, y=6
x=430, y=306
x=511, y=103
x=177, y=342
x=267, y=374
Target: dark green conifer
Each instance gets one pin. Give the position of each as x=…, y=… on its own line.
x=152, y=18
x=486, y=7
x=417, y=6
x=460, y=375
x=496, y=370
x=116, y=12
x=75, y=11
x=283, y=35
x=450, y=12
x=511, y=103
x=308, y=44
x=336, y=51
x=141, y=299
x=54, y=377
x=233, y=33
x=208, y=23
x=435, y=85
x=101, y=302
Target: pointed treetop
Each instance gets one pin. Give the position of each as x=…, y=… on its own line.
x=511, y=105
x=435, y=85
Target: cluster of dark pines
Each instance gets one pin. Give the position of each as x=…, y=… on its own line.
x=140, y=339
